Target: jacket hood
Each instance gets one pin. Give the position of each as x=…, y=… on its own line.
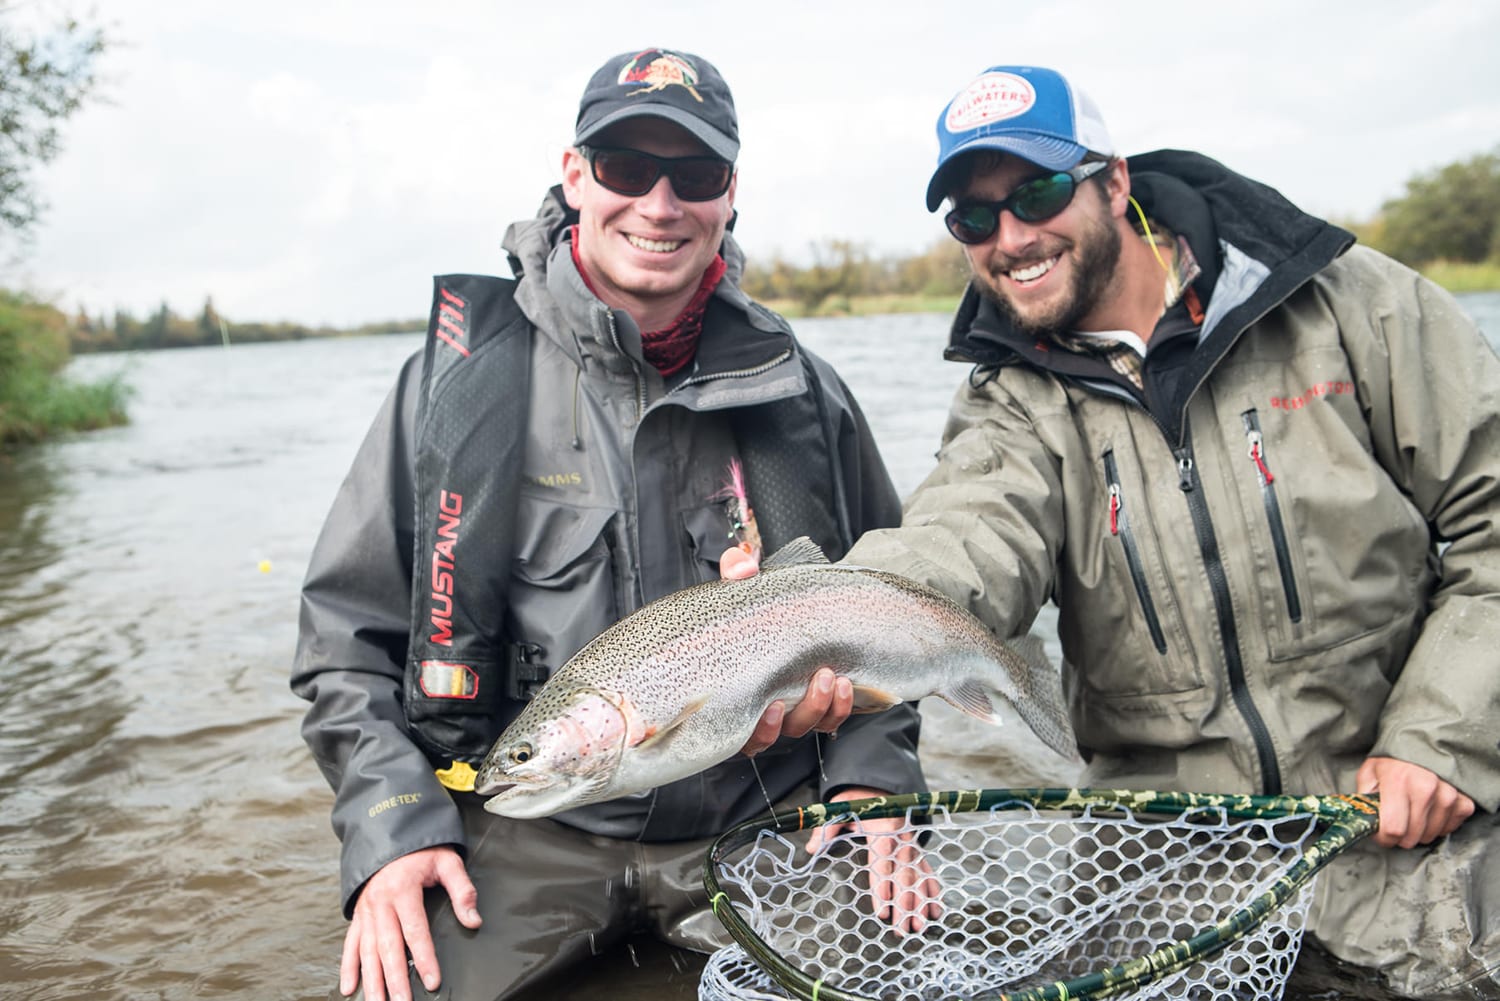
x=1255, y=248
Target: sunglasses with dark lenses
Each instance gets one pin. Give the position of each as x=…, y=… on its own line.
x=633, y=173
x=1035, y=201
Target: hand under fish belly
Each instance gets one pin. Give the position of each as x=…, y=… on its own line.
x=678, y=685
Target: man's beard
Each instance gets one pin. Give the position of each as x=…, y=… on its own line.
x=1098, y=253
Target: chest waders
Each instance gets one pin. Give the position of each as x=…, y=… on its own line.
x=471, y=432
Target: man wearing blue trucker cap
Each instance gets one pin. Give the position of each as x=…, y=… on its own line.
x=553, y=459
x=1255, y=466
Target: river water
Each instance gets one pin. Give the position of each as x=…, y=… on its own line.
x=164, y=833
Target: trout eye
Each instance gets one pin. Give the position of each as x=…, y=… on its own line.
x=520, y=754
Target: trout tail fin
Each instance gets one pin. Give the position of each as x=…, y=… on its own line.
x=1042, y=703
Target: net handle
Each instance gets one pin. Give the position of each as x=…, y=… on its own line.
x=1349, y=818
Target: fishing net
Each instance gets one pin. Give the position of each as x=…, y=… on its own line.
x=1045, y=894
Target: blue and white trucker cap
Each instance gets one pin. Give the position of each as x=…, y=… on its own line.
x=1028, y=111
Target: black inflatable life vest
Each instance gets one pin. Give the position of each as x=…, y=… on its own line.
x=471, y=432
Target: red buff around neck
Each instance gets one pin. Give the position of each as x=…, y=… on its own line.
x=670, y=348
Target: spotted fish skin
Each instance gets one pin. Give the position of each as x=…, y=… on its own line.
x=678, y=685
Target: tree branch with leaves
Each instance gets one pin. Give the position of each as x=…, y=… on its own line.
x=45, y=76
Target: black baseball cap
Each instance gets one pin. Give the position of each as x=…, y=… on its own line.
x=682, y=88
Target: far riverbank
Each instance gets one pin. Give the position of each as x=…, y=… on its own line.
x=1460, y=279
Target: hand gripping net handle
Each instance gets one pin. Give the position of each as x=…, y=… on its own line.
x=1346, y=820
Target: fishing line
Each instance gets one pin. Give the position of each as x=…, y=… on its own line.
x=764, y=792
x=818, y=744
x=650, y=809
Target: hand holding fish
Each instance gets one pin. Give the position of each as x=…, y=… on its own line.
x=829, y=700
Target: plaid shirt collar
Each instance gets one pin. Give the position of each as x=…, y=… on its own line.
x=1122, y=354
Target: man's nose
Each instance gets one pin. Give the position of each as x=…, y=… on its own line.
x=661, y=202
x=1013, y=235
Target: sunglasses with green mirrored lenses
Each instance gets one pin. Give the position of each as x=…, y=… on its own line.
x=1039, y=199
x=634, y=173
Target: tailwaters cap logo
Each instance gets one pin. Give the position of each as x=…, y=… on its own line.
x=992, y=97
x=657, y=69
x=1029, y=112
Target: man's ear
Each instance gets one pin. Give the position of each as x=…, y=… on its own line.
x=1117, y=187
x=574, y=166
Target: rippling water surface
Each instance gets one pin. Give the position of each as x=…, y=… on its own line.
x=163, y=831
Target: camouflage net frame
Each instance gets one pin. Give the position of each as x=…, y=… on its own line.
x=1047, y=895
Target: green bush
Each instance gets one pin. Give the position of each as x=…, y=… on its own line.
x=35, y=399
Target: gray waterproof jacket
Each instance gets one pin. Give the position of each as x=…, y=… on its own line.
x=1285, y=557
x=616, y=508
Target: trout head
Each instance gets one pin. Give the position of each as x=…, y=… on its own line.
x=560, y=752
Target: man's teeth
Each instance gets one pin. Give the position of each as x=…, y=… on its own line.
x=656, y=246
x=1032, y=272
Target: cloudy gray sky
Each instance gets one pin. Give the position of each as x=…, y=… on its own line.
x=319, y=161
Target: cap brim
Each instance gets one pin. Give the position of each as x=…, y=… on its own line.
x=1044, y=151
x=718, y=142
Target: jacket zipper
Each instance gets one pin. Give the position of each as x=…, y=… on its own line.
x=637, y=595
x=1273, y=514
x=739, y=373
x=1187, y=479
x=1119, y=526
x=640, y=380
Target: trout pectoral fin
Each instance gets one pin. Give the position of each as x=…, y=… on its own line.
x=654, y=734
x=874, y=700
x=972, y=697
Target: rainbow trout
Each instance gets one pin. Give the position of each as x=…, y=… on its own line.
x=678, y=685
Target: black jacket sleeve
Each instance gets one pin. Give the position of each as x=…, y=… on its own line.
x=351, y=652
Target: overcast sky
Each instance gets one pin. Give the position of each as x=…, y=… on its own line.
x=319, y=161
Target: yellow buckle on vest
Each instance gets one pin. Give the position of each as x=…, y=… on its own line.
x=458, y=776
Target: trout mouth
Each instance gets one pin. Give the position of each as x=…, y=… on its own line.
x=528, y=800
x=492, y=787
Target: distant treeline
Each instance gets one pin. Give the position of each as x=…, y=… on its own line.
x=842, y=270
x=1447, y=224
x=165, y=329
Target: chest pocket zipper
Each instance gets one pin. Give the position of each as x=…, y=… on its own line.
x=1273, y=514
x=1119, y=526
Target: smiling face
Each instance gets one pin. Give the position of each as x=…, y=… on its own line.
x=1057, y=274
x=647, y=254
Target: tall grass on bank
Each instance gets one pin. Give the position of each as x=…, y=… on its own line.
x=35, y=399
x=1463, y=276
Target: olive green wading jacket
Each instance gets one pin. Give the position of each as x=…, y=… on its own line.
x=1283, y=560
x=1226, y=632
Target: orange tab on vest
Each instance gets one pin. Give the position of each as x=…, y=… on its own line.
x=441, y=679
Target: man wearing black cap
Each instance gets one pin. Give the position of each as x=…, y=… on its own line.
x=568, y=446
x=1255, y=466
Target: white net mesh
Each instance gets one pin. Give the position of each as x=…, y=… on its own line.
x=1029, y=898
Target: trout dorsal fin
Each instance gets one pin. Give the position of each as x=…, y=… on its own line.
x=799, y=550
